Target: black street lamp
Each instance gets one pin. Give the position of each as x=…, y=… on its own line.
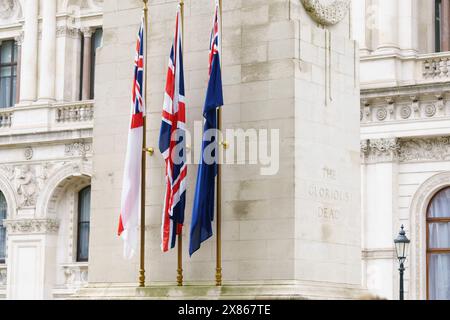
x=401, y=247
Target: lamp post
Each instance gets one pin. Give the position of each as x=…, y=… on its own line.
x=401, y=247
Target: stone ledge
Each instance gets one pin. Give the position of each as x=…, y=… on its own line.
x=227, y=292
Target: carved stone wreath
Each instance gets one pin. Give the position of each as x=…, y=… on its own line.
x=327, y=12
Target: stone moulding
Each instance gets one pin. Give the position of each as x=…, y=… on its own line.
x=31, y=226
x=327, y=12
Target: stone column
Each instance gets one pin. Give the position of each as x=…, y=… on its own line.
x=19, y=42
x=359, y=24
x=87, y=34
x=380, y=209
x=29, y=52
x=387, y=26
x=408, y=26
x=48, y=52
x=445, y=25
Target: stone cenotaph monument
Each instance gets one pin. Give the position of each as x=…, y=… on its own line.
x=287, y=65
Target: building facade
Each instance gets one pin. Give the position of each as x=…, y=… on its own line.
x=46, y=120
x=405, y=113
x=50, y=75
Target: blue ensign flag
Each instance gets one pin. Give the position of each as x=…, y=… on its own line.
x=203, y=210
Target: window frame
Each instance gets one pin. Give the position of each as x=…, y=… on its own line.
x=431, y=251
x=13, y=63
x=79, y=223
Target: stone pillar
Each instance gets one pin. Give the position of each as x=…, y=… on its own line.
x=31, y=258
x=387, y=26
x=19, y=42
x=29, y=52
x=380, y=209
x=408, y=26
x=86, y=93
x=359, y=15
x=48, y=52
x=445, y=25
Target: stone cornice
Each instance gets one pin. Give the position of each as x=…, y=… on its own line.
x=405, y=150
x=31, y=226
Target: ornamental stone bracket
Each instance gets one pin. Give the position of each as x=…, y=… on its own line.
x=31, y=226
x=405, y=150
x=327, y=12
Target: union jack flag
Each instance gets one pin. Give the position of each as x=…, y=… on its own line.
x=131, y=189
x=172, y=143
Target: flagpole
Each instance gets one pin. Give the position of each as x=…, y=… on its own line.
x=144, y=155
x=219, y=181
x=180, y=235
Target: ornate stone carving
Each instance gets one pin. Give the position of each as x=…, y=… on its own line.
x=27, y=180
x=380, y=150
x=406, y=150
x=382, y=114
x=25, y=184
x=28, y=153
x=34, y=226
x=425, y=149
x=65, y=31
x=405, y=112
x=8, y=10
x=327, y=12
x=430, y=110
x=77, y=149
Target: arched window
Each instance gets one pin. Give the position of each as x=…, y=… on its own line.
x=84, y=217
x=3, y=209
x=438, y=246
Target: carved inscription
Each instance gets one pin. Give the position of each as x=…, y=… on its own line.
x=330, y=196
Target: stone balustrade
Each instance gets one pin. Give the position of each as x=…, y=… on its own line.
x=436, y=66
x=76, y=275
x=75, y=112
x=5, y=119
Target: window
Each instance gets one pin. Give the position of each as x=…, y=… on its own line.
x=438, y=246
x=8, y=73
x=84, y=217
x=97, y=38
x=95, y=42
x=437, y=25
x=3, y=209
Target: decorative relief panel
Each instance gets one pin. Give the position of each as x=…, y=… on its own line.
x=406, y=150
x=78, y=149
x=33, y=226
x=327, y=12
x=10, y=11
x=27, y=179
